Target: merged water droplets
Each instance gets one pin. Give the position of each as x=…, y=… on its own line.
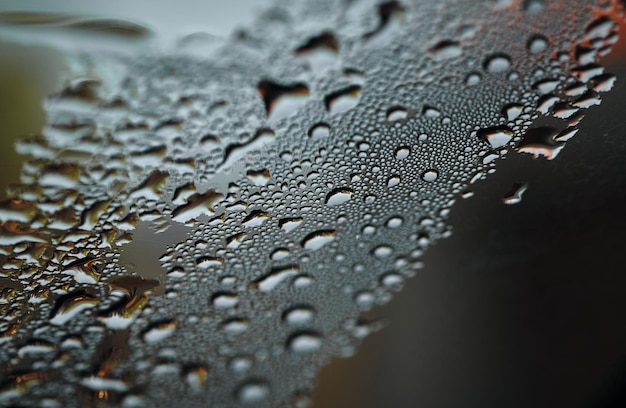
x=309, y=168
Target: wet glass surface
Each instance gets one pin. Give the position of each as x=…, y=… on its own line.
x=211, y=219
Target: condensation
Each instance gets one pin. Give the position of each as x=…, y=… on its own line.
x=307, y=165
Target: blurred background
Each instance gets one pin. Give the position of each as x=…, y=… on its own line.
x=523, y=306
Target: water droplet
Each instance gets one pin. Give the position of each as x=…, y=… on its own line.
x=205, y=262
x=540, y=141
x=534, y=6
x=537, y=44
x=320, y=51
x=68, y=306
x=275, y=276
x=255, y=218
x=338, y=196
x=343, y=100
x=279, y=254
x=430, y=112
x=497, y=63
x=585, y=73
x=259, y=177
x=299, y=315
x=318, y=239
x=225, y=300
x=603, y=83
x=397, y=114
x=305, y=342
x=472, y=79
x=546, y=86
x=240, y=364
x=497, y=136
x=402, y=152
x=514, y=196
x=282, y=101
x=197, y=204
x=159, y=331
x=235, y=326
x=392, y=281
x=394, y=222
x=430, y=175
x=393, y=181
x=512, y=111
x=446, y=49
x=289, y=224
x=382, y=251
x=319, y=131
x=253, y=391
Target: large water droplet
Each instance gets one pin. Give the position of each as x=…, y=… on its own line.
x=497, y=136
x=318, y=239
x=305, y=342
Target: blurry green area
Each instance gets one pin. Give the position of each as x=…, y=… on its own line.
x=27, y=74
